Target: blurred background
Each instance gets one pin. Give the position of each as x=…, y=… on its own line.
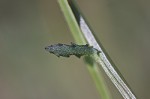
x=27, y=71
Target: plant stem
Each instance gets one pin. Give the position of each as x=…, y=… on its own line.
x=116, y=79
x=102, y=59
x=73, y=25
x=79, y=38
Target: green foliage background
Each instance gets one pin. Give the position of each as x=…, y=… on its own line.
x=27, y=71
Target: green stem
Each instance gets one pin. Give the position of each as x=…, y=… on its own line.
x=73, y=25
x=79, y=38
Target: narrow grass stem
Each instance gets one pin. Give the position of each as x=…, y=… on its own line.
x=105, y=63
x=102, y=60
x=79, y=38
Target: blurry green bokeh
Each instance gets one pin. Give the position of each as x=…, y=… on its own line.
x=27, y=71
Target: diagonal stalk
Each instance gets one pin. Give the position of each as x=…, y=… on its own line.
x=79, y=38
x=105, y=63
x=102, y=59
